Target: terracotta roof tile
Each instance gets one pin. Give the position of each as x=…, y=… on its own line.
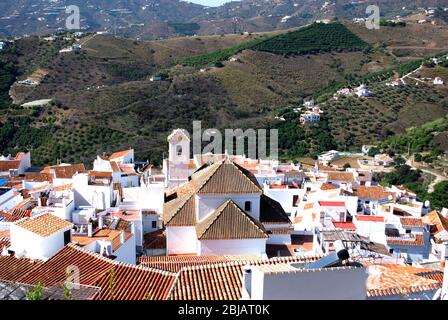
x=64, y=171
x=416, y=240
x=220, y=281
x=230, y=222
x=440, y=223
x=45, y=224
x=387, y=280
x=225, y=177
x=12, y=268
x=180, y=211
x=6, y=165
x=411, y=222
x=176, y=263
x=372, y=192
x=130, y=282
x=119, y=154
x=340, y=176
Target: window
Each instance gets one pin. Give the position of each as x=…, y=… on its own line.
x=67, y=237
x=179, y=150
x=294, y=200
x=247, y=206
x=154, y=224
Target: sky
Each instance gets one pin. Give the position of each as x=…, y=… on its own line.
x=210, y=3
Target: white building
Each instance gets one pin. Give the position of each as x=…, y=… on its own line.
x=222, y=210
x=94, y=188
x=40, y=237
x=288, y=282
x=438, y=81
x=310, y=117
x=329, y=156
x=15, y=166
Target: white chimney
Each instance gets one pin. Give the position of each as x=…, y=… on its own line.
x=247, y=282
x=100, y=222
x=5, y=251
x=89, y=230
x=122, y=238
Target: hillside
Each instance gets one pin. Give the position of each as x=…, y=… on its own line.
x=155, y=19
x=104, y=99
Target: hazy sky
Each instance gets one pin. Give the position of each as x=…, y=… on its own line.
x=210, y=3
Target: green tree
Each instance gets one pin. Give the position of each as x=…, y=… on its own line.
x=36, y=293
x=439, y=198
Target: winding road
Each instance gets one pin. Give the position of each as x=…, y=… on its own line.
x=439, y=177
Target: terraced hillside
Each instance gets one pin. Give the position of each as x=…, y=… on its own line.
x=104, y=100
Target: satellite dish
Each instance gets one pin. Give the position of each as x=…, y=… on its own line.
x=427, y=204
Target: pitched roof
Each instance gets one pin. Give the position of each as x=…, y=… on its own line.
x=372, y=192
x=129, y=281
x=230, y=222
x=414, y=240
x=64, y=171
x=435, y=218
x=411, y=222
x=332, y=203
x=176, y=263
x=387, y=280
x=155, y=240
x=180, y=211
x=12, y=268
x=6, y=165
x=225, y=176
x=135, y=283
x=44, y=224
x=119, y=154
x=340, y=176
x=369, y=218
x=221, y=177
x=220, y=281
x=271, y=211
x=7, y=217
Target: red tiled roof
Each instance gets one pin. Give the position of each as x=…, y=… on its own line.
x=6, y=165
x=221, y=281
x=225, y=177
x=6, y=217
x=372, y=192
x=230, y=222
x=388, y=280
x=369, y=218
x=118, y=281
x=344, y=225
x=411, y=222
x=11, y=268
x=45, y=224
x=176, y=263
x=416, y=240
x=64, y=171
x=328, y=186
x=340, y=176
x=332, y=203
x=155, y=240
x=119, y=154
